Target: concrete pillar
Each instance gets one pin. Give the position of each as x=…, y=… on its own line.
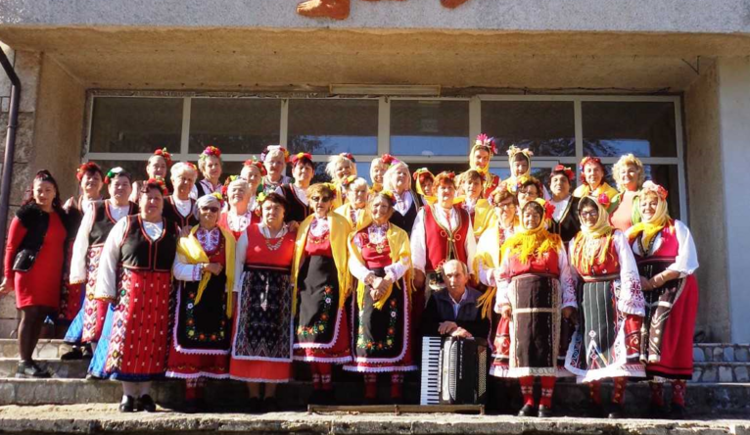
x=734, y=113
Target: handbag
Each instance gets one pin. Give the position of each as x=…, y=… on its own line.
x=24, y=260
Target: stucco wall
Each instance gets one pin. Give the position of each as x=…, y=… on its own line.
x=715, y=16
x=734, y=110
x=703, y=159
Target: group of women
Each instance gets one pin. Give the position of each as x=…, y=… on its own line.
x=197, y=279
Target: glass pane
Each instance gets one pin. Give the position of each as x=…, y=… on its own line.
x=429, y=128
x=136, y=125
x=646, y=129
x=333, y=126
x=545, y=127
x=542, y=174
x=236, y=126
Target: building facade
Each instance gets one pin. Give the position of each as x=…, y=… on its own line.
x=667, y=80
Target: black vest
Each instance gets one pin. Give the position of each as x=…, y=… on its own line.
x=569, y=224
x=406, y=222
x=104, y=222
x=172, y=214
x=297, y=211
x=139, y=252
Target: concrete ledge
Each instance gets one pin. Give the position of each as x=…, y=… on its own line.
x=104, y=419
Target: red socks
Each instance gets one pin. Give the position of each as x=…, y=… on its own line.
x=371, y=385
x=397, y=382
x=325, y=371
x=548, y=387
x=193, y=389
x=595, y=392
x=618, y=395
x=678, y=392
x=527, y=389
x=657, y=393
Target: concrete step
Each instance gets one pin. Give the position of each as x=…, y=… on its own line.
x=58, y=368
x=105, y=420
x=45, y=349
x=570, y=398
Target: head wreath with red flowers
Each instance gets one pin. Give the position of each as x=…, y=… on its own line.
x=346, y=181
x=388, y=160
x=421, y=173
x=565, y=170
x=165, y=155
x=548, y=207
x=589, y=160
x=267, y=150
x=485, y=142
x=157, y=182
x=390, y=195
x=258, y=164
x=210, y=151
x=301, y=157
x=333, y=189
x=349, y=157
x=88, y=167
x=651, y=187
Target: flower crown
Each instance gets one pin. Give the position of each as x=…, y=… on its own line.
x=388, y=160
x=112, y=173
x=348, y=181
x=218, y=196
x=660, y=191
x=299, y=156
x=586, y=160
x=165, y=154
x=159, y=182
x=190, y=164
x=86, y=167
x=548, y=207
x=270, y=148
x=390, y=195
x=513, y=150
x=333, y=188
x=421, y=171
x=258, y=164
x=348, y=156
x=487, y=142
x=564, y=170
x=210, y=151
x=603, y=200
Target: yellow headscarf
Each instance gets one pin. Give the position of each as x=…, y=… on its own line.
x=649, y=228
x=192, y=250
x=535, y=241
x=583, y=254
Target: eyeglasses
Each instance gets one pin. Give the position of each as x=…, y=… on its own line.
x=320, y=198
x=589, y=214
x=211, y=209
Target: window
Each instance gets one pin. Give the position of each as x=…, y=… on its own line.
x=434, y=133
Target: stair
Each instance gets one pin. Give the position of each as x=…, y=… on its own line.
x=720, y=385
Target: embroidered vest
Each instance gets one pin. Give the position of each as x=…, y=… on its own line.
x=139, y=252
x=443, y=244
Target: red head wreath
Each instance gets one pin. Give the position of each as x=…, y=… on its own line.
x=164, y=154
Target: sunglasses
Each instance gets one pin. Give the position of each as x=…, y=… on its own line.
x=321, y=198
x=211, y=209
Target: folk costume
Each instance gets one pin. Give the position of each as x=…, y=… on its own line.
x=585, y=190
x=512, y=182
x=237, y=224
x=135, y=271
x=203, y=310
x=381, y=328
x=491, y=181
x=264, y=326
x=607, y=341
x=181, y=212
x=296, y=198
x=321, y=285
x=96, y=224
x=535, y=282
x=665, y=244
x=204, y=187
x=269, y=186
x=565, y=220
x=405, y=210
x=357, y=218
x=481, y=214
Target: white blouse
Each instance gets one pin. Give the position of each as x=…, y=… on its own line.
x=78, y=272
x=686, y=261
x=419, y=237
x=403, y=202
x=376, y=234
x=184, y=207
x=106, y=280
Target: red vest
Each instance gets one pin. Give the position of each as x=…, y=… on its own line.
x=546, y=263
x=669, y=247
x=609, y=267
x=439, y=240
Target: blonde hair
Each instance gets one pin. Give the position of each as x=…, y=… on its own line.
x=628, y=159
x=202, y=162
x=390, y=174
x=356, y=184
x=377, y=161
x=334, y=161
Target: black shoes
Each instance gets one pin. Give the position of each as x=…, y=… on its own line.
x=545, y=412
x=145, y=403
x=88, y=353
x=127, y=404
x=29, y=369
x=677, y=412
x=615, y=411
x=270, y=404
x=254, y=405
x=527, y=411
x=73, y=354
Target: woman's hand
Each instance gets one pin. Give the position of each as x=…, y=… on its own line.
x=506, y=311
x=185, y=231
x=214, y=268
x=646, y=284
x=293, y=226
x=568, y=312
x=6, y=286
x=496, y=276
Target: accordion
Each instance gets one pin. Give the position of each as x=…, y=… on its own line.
x=454, y=371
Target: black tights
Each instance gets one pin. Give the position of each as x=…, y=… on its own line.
x=32, y=320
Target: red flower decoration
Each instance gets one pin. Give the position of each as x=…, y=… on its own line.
x=588, y=159
x=549, y=209
x=210, y=151
x=86, y=167
x=348, y=156
x=159, y=182
x=165, y=154
x=258, y=164
x=603, y=199
x=488, y=142
x=388, y=159
x=565, y=170
x=299, y=156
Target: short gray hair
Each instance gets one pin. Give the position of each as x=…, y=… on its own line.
x=463, y=265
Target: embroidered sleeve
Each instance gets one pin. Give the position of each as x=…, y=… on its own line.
x=503, y=286
x=630, y=299
x=567, y=283
x=184, y=271
x=81, y=246
x=471, y=247
x=357, y=269
x=396, y=270
x=106, y=277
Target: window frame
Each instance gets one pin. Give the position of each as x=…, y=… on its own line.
x=384, y=127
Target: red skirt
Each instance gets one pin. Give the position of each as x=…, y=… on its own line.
x=676, y=359
x=338, y=353
x=139, y=344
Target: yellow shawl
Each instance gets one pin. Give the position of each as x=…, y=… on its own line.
x=191, y=249
x=532, y=242
x=583, y=254
x=398, y=242
x=584, y=190
x=363, y=221
x=652, y=227
x=484, y=217
x=340, y=230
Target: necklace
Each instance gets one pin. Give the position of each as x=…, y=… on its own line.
x=266, y=233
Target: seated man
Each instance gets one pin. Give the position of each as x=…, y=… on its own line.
x=453, y=310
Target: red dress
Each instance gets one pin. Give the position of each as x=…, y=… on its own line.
x=262, y=341
x=41, y=285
